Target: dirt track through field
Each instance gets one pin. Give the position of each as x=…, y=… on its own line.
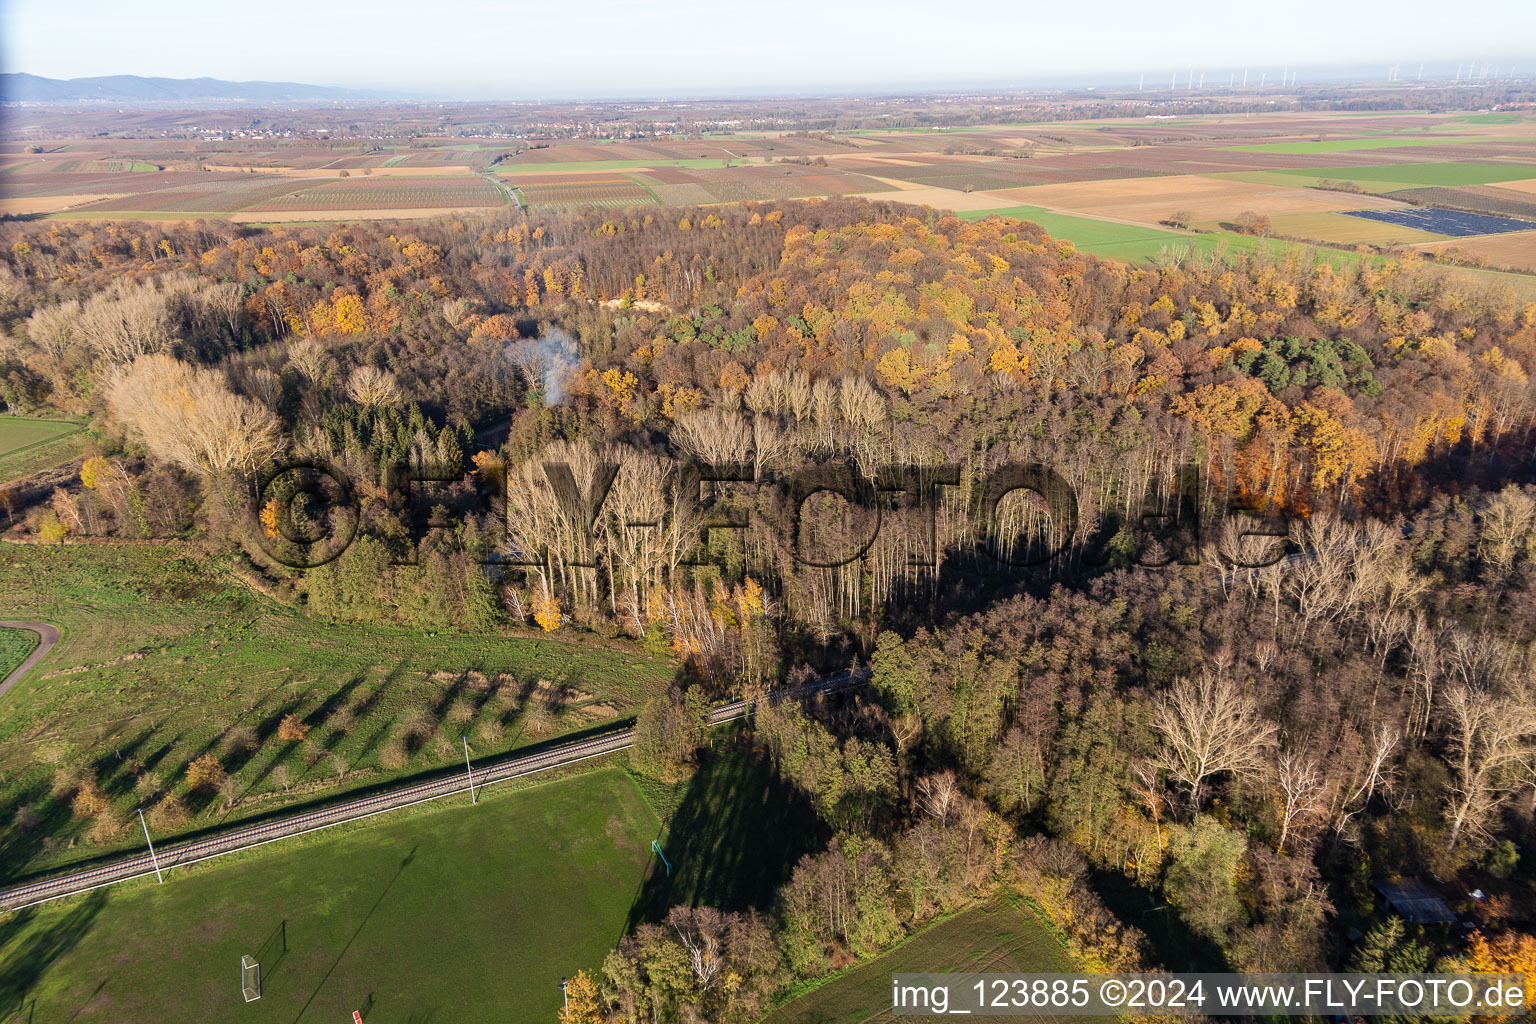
x=47, y=636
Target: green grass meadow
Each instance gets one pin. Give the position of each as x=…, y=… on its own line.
x=1129, y=241
x=1493, y=118
x=457, y=913
x=28, y=445
x=1132, y=243
x=1004, y=937
x=735, y=832
x=15, y=646
x=164, y=654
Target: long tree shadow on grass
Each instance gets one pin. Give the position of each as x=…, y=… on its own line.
x=25, y=953
x=404, y=863
x=1173, y=943
x=736, y=836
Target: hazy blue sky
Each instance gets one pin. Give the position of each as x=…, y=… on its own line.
x=554, y=48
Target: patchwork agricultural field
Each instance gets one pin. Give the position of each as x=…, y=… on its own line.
x=461, y=191
x=615, y=192
x=1134, y=242
x=1493, y=200
x=1455, y=223
x=1122, y=188
x=1451, y=174
x=1342, y=229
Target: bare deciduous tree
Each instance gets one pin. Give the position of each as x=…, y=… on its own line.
x=371, y=387
x=715, y=436
x=190, y=417
x=1210, y=726
x=1509, y=529
x=701, y=931
x=310, y=360
x=126, y=322
x=1374, y=776
x=939, y=795
x=1492, y=741
x=1301, y=787
x=55, y=329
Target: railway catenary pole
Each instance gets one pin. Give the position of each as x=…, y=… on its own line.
x=159, y=878
x=468, y=771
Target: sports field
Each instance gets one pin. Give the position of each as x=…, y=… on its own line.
x=29, y=445
x=1003, y=937
x=458, y=913
x=166, y=659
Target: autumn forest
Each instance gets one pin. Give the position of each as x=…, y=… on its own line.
x=1206, y=584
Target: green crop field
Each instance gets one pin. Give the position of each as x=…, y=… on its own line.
x=15, y=646
x=1129, y=241
x=456, y=913
x=1350, y=145
x=1421, y=174
x=166, y=658
x=1003, y=937
x=30, y=445
x=1100, y=237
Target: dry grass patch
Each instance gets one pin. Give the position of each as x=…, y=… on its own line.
x=50, y=204
x=939, y=198
x=1513, y=249
x=1337, y=228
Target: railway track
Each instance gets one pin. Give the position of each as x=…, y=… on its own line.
x=182, y=854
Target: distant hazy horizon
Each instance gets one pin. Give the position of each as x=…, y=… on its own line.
x=549, y=49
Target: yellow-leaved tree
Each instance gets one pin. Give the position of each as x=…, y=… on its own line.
x=583, y=1004
x=546, y=612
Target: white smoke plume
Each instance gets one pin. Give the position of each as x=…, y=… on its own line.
x=548, y=359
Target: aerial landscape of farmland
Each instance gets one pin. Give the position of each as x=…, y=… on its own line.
x=1345, y=180
x=636, y=513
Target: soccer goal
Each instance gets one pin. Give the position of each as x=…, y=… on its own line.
x=250, y=978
